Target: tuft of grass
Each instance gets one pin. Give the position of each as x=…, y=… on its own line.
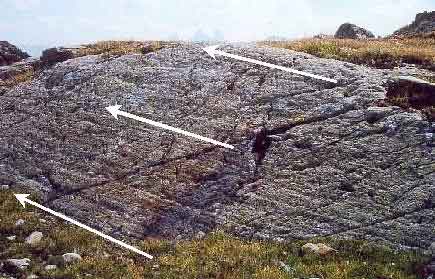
x=378, y=53
x=218, y=255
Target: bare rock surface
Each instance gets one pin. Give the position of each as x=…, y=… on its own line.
x=311, y=158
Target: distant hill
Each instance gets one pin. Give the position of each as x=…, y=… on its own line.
x=424, y=23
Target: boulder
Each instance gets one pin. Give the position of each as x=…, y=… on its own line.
x=10, y=54
x=424, y=23
x=351, y=31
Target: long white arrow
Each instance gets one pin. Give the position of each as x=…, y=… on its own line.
x=114, y=110
x=22, y=198
x=212, y=51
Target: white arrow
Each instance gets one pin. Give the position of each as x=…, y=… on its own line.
x=22, y=198
x=212, y=51
x=114, y=110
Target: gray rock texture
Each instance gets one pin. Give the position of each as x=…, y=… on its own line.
x=10, y=54
x=351, y=31
x=311, y=158
x=424, y=23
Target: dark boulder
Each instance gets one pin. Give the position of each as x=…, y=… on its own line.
x=351, y=31
x=55, y=55
x=10, y=54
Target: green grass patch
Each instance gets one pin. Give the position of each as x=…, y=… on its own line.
x=218, y=255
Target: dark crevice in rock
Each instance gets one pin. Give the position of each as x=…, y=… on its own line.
x=134, y=171
x=347, y=186
x=260, y=145
x=262, y=80
x=284, y=128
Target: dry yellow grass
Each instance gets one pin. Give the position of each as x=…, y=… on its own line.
x=21, y=77
x=379, y=53
x=119, y=47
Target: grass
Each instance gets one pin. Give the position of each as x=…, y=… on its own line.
x=378, y=53
x=119, y=48
x=21, y=77
x=219, y=255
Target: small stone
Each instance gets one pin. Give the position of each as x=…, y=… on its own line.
x=432, y=249
x=19, y=222
x=286, y=268
x=34, y=238
x=32, y=276
x=317, y=249
x=50, y=267
x=11, y=238
x=42, y=220
x=200, y=235
x=4, y=187
x=17, y=264
x=71, y=258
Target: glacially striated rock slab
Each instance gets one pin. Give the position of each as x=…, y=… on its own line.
x=325, y=162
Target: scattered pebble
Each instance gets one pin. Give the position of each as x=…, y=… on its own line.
x=286, y=268
x=200, y=235
x=71, y=258
x=32, y=276
x=50, y=267
x=317, y=249
x=34, y=238
x=11, y=238
x=4, y=187
x=42, y=220
x=19, y=222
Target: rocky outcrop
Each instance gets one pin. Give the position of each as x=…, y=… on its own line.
x=55, y=55
x=310, y=159
x=410, y=92
x=351, y=31
x=424, y=23
x=10, y=54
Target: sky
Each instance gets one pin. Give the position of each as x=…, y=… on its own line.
x=70, y=22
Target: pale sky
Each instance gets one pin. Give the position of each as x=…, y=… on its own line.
x=58, y=22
